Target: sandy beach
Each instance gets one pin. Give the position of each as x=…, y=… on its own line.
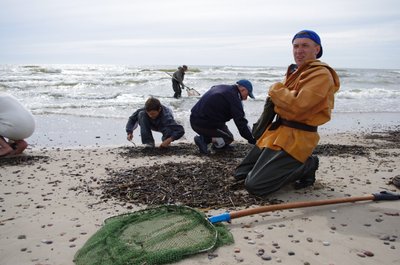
x=52, y=201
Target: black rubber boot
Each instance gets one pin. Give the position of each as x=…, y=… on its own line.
x=309, y=176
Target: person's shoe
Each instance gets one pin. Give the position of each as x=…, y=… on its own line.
x=309, y=178
x=201, y=144
x=149, y=145
x=226, y=147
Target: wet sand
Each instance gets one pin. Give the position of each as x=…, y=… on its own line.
x=54, y=131
x=53, y=199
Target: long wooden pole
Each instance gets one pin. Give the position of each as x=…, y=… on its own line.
x=226, y=217
x=294, y=205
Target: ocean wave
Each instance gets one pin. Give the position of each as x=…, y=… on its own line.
x=111, y=88
x=83, y=115
x=170, y=70
x=368, y=93
x=83, y=105
x=66, y=84
x=128, y=82
x=44, y=70
x=86, y=96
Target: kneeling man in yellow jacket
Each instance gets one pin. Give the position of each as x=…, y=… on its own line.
x=303, y=101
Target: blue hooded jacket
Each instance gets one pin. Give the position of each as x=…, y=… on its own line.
x=164, y=122
x=217, y=106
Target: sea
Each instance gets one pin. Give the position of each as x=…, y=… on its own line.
x=79, y=105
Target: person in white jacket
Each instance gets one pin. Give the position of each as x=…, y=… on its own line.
x=16, y=124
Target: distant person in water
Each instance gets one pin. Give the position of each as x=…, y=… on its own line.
x=154, y=117
x=302, y=102
x=215, y=108
x=177, y=81
x=16, y=124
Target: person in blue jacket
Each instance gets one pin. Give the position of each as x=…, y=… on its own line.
x=154, y=117
x=217, y=106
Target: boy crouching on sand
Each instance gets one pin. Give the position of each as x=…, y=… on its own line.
x=157, y=117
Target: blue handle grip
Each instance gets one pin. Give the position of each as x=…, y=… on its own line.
x=386, y=196
x=224, y=217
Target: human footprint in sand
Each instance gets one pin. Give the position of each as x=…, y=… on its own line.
x=283, y=153
x=16, y=124
x=154, y=117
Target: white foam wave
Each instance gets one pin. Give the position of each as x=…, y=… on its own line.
x=374, y=93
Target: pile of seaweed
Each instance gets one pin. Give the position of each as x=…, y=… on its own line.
x=206, y=181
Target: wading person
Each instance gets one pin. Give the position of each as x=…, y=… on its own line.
x=217, y=106
x=304, y=100
x=177, y=81
x=154, y=117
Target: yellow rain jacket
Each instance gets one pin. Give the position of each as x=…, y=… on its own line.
x=306, y=96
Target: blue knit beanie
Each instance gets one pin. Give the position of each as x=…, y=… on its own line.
x=309, y=34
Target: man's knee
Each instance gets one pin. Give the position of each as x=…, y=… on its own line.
x=256, y=188
x=252, y=186
x=180, y=133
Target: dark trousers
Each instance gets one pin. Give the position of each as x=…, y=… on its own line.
x=266, y=170
x=208, y=133
x=146, y=126
x=177, y=89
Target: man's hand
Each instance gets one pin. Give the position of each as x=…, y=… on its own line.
x=166, y=142
x=129, y=137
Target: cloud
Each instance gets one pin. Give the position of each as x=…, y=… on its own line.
x=222, y=32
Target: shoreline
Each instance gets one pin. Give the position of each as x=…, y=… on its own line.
x=50, y=206
x=67, y=131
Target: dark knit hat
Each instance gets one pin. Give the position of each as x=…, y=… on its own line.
x=309, y=34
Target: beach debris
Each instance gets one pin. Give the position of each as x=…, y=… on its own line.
x=46, y=241
x=395, y=181
x=212, y=255
x=341, y=150
x=266, y=257
x=368, y=253
x=260, y=252
x=205, y=183
x=23, y=159
x=239, y=259
x=390, y=136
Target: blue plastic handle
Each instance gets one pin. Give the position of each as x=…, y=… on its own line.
x=224, y=217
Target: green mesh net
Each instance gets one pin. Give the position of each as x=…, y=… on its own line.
x=152, y=236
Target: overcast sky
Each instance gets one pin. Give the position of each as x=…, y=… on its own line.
x=354, y=33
